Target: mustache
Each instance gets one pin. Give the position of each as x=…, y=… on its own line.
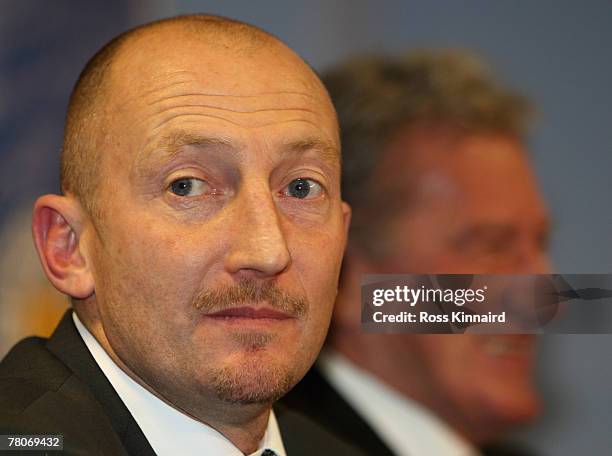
x=251, y=292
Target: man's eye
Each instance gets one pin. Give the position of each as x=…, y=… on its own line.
x=189, y=186
x=303, y=188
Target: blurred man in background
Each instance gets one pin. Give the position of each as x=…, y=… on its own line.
x=436, y=171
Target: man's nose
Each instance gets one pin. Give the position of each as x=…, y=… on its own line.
x=259, y=246
x=534, y=259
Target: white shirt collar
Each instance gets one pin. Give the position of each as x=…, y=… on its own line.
x=405, y=426
x=169, y=431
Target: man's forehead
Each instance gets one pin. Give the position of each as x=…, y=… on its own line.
x=173, y=89
x=234, y=67
x=170, y=75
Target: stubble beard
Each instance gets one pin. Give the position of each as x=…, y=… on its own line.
x=253, y=382
x=259, y=378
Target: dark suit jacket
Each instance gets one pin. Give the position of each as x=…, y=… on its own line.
x=316, y=398
x=54, y=386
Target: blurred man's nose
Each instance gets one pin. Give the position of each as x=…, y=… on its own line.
x=259, y=246
x=533, y=258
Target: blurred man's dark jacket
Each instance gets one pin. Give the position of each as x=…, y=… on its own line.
x=317, y=399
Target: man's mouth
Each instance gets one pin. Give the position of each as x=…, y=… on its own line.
x=253, y=313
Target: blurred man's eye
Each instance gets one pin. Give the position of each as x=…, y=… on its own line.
x=303, y=188
x=487, y=241
x=498, y=245
x=189, y=186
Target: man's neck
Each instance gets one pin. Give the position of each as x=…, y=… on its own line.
x=374, y=354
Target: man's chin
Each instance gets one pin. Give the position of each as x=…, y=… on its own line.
x=253, y=382
x=501, y=413
x=520, y=410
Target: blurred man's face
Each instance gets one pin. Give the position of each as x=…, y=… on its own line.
x=477, y=209
x=221, y=229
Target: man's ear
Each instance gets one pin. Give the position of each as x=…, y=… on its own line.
x=57, y=226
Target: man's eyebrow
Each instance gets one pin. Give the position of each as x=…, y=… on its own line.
x=485, y=229
x=171, y=144
x=328, y=150
x=166, y=148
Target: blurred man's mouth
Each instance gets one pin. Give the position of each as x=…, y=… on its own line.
x=508, y=346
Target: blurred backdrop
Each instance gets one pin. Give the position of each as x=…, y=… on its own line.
x=557, y=52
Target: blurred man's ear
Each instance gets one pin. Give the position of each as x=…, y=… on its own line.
x=347, y=311
x=346, y=214
x=57, y=226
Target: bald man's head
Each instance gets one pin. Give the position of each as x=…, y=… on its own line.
x=88, y=128
x=201, y=172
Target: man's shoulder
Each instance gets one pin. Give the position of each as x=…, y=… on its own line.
x=28, y=372
x=39, y=394
x=35, y=384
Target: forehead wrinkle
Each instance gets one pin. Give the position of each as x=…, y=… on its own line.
x=152, y=91
x=237, y=111
x=273, y=101
x=273, y=122
x=169, y=103
x=238, y=96
x=191, y=114
x=159, y=87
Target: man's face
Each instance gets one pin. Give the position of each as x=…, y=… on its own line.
x=218, y=245
x=477, y=209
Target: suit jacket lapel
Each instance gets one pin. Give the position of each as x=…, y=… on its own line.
x=319, y=401
x=67, y=344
